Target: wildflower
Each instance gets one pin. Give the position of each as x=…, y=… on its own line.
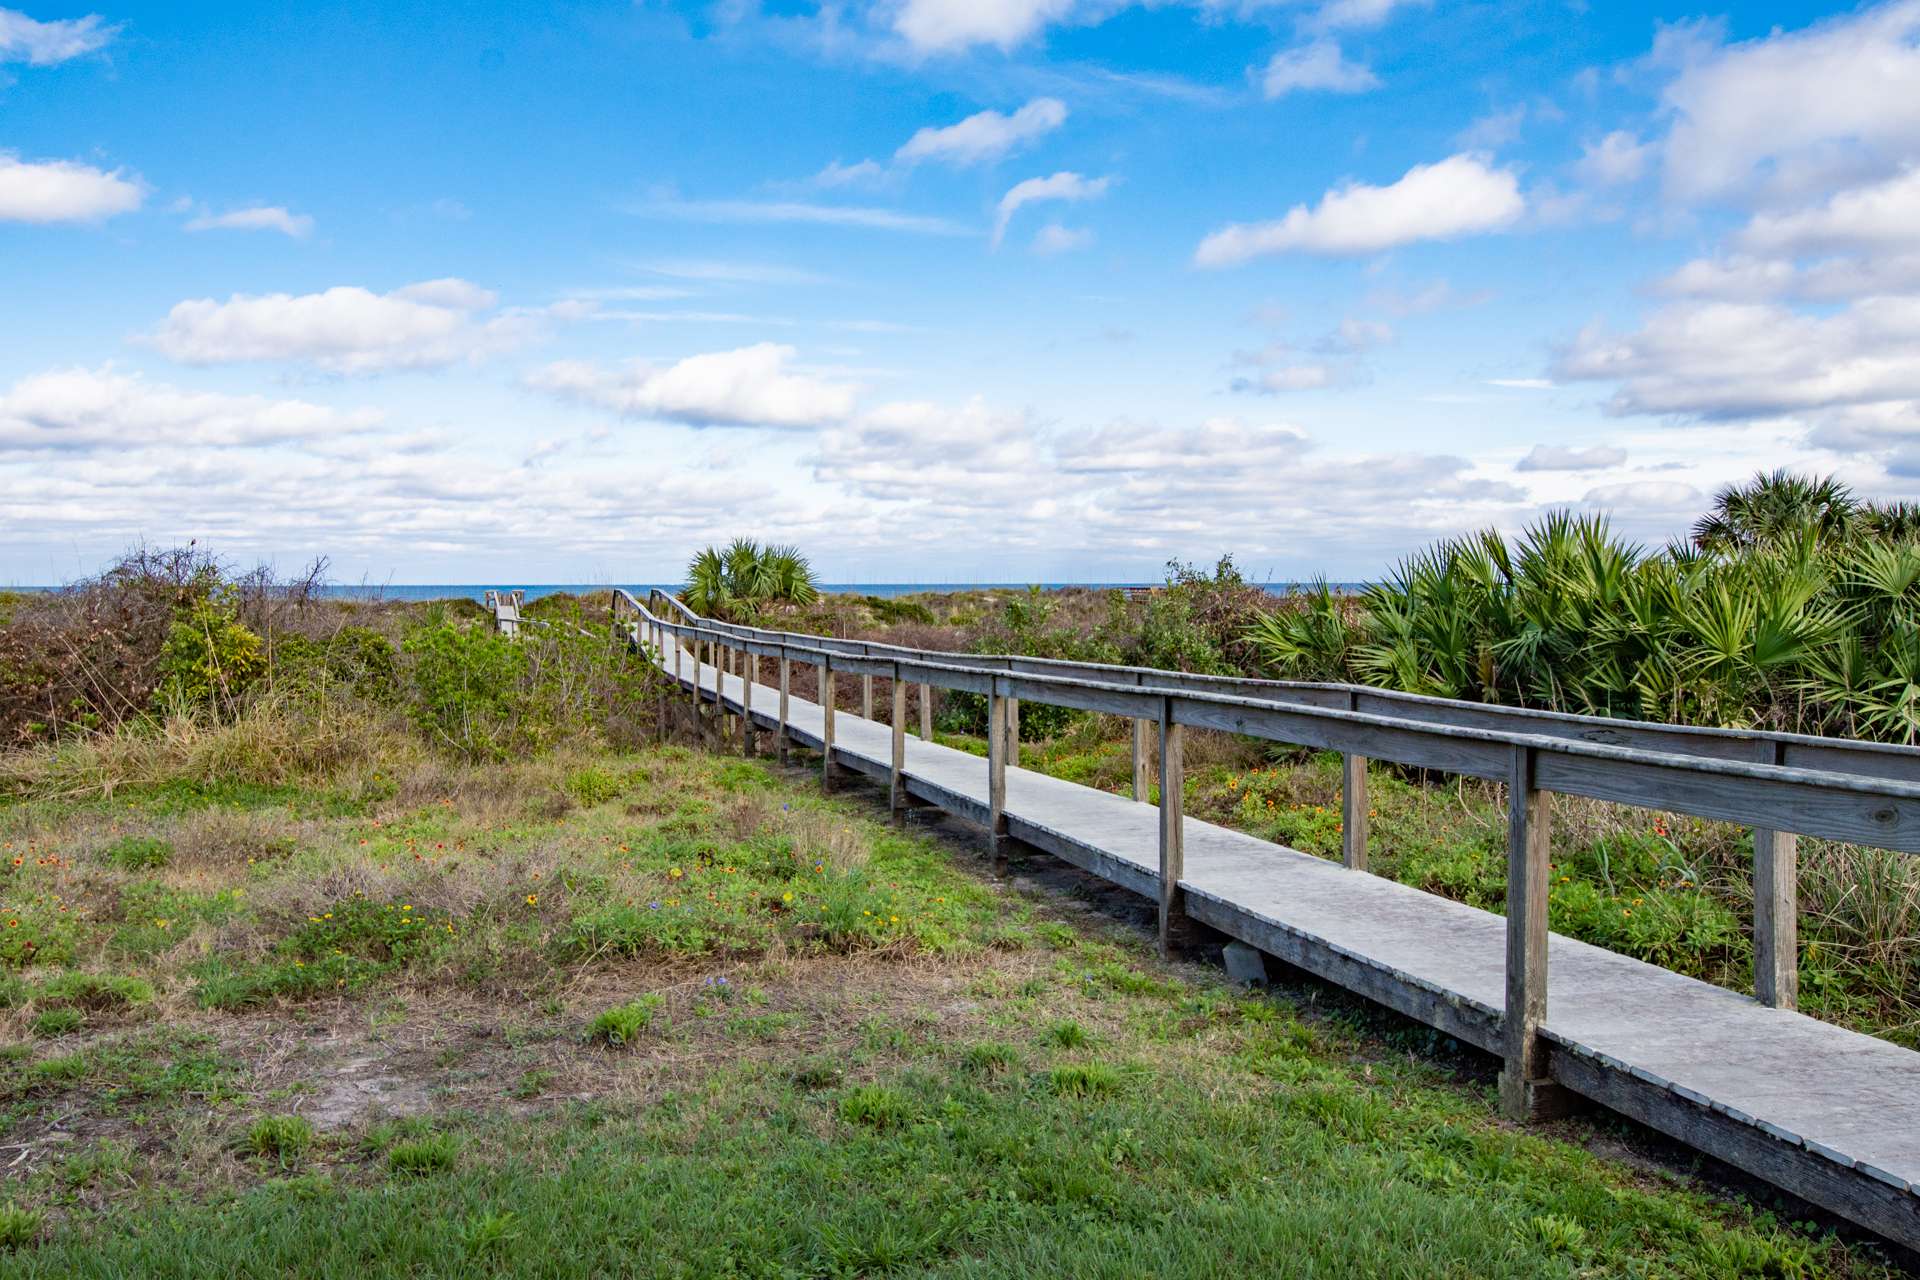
x=653, y=906
x=786, y=897
x=674, y=874
x=533, y=899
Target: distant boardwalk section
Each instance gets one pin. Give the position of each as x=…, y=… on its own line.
x=1824, y=1113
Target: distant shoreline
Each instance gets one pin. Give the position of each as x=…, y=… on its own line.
x=414, y=592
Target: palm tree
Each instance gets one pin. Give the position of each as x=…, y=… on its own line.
x=1770, y=508
x=743, y=579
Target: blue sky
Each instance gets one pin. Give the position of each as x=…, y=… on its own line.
x=939, y=289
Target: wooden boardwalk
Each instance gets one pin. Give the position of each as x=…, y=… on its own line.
x=1824, y=1113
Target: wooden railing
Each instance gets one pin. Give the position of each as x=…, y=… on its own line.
x=1781, y=785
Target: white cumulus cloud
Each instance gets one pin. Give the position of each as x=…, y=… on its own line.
x=80, y=410
x=942, y=26
x=345, y=329
x=43, y=44
x=63, y=191
x=1552, y=457
x=1875, y=218
x=748, y=387
x=984, y=136
x=1787, y=111
x=1316, y=66
x=1061, y=186
x=1616, y=159
x=256, y=218
x=1459, y=196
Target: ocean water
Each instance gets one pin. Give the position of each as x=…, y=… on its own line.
x=478, y=591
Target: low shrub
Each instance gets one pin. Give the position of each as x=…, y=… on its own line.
x=49, y=1023
x=623, y=1024
x=19, y=1227
x=876, y=1106
x=139, y=853
x=281, y=1138
x=434, y=1153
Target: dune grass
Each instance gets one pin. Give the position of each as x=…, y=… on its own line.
x=662, y=1013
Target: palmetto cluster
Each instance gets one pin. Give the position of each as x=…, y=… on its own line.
x=1796, y=606
x=744, y=579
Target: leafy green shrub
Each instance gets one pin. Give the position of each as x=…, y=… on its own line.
x=282, y=1138
x=139, y=853
x=594, y=785
x=621, y=1025
x=19, y=1227
x=49, y=1023
x=877, y=1106
x=434, y=1153
x=223, y=983
x=1197, y=621
x=358, y=660
x=209, y=658
x=465, y=688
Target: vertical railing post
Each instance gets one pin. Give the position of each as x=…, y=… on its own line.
x=1142, y=762
x=866, y=697
x=786, y=678
x=826, y=722
x=1526, y=1091
x=926, y=712
x=1776, y=923
x=897, y=792
x=1173, y=834
x=997, y=776
x=1013, y=732
x=750, y=668
x=1353, y=811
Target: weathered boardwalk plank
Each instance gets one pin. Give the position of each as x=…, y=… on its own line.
x=1828, y=1114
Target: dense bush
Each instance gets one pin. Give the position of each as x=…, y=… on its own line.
x=1797, y=608
x=175, y=635
x=1025, y=625
x=1197, y=622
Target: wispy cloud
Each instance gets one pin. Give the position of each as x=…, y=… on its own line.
x=257, y=218
x=43, y=44
x=800, y=211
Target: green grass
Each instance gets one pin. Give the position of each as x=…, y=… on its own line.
x=281, y=1138
x=623, y=1024
x=856, y=1056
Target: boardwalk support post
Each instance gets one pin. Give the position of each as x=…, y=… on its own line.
x=997, y=838
x=826, y=724
x=1776, y=906
x=786, y=679
x=1353, y=812
x=897, y=791
x=1175, y=928
x=1142, y=763
x=1013, y=732
x=866, y=697
x=1526, y=1091
x=750, y=667
x=926, y=712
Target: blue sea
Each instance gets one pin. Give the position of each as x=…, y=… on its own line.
x=478, y=590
